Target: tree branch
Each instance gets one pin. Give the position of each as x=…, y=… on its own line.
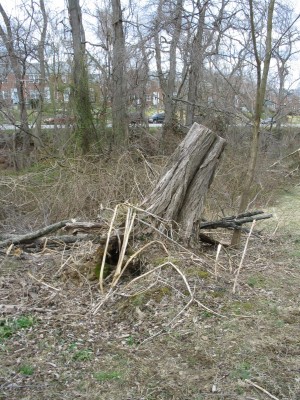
x=33, y=235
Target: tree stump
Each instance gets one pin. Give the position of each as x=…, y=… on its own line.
x=180, y=192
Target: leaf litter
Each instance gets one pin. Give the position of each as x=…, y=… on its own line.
x=177, y=332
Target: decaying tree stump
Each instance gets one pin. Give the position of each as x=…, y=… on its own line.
x=180, y=193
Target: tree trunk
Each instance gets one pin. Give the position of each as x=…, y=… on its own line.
x=22, y=139
x=261, y=84
x=180, y=193
x=85, y=130
x=119, y=112
x=205, y=42
x=196, y=68
x=42, y=80
x=168, y=83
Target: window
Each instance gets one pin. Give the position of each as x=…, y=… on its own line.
x=47, y=94
x=34, y=94
x=67, y=95
x=33, y=78
x=4, y=95
x=14, y=96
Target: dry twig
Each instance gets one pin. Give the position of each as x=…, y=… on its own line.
x=106, y=247
x=261, y=389
x=128, y=228
x=42, y=283
x=216, y=260
x=243, y=257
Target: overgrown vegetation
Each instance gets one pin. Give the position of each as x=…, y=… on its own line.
x=157, y=335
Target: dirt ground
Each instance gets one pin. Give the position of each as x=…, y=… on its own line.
x=177, y=333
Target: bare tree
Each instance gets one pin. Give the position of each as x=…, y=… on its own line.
x=85, y=130
x=206, y=31
x=102, y=59
x=196, y=68
x=15, y=46
x=138, y=76
x=284, y=49
x=262, y=59
x=119, y=97
x=42, y=24
x=172, y=25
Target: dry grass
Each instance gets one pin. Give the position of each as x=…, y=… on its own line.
x=174, y=333
x=75, y=188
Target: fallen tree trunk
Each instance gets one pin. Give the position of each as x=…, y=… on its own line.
x=81, y=231
x=89, y=231
x=16, y=239
x=180, y=193
x=235, y=222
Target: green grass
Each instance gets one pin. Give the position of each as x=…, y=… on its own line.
x=83, y=355
x=80, y=354
x=294, y=249
x=24, y=322
x=240, y=307
x=107, y=376
x=6, y=331
x=256, y=281
x=206, y=314
x=8, y=327
x=242, y=371
x=130, y=341
x=26, y=370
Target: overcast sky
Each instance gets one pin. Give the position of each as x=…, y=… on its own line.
x=13, y=6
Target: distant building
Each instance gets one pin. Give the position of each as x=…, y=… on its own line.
x=8, y=87
x=32, y=85
x=154, y=94
x=59, y=83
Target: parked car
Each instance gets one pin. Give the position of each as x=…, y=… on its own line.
x=268, y=121
x=157, y=118
x=59, y=120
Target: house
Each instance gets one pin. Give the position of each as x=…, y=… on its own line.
x=32, y=85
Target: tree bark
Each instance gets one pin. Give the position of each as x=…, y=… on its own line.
x=196, y=67
x=261, y=84
x=168, y=83
x=22, y=140
x=235, y=221
x=85, y=130
x=119, y=111
x=42, y=79
x=15, y=239
x=180, y=193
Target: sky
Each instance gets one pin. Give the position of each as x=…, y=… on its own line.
x=12, y=7
x=61, y=4
x=295, y=64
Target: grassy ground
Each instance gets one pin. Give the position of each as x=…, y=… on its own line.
x=147, y=341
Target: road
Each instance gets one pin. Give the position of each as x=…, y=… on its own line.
x=9, y=127
x=6, y=127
